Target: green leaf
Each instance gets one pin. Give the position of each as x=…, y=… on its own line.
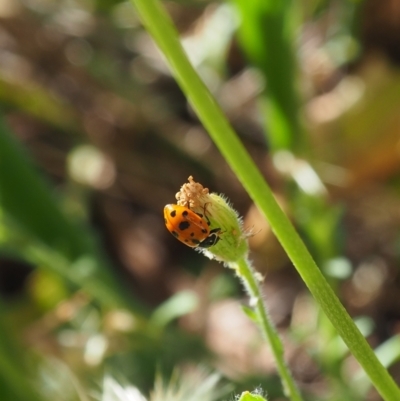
x=250, y=313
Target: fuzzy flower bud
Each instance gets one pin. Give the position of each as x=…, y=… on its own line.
x=232, y=244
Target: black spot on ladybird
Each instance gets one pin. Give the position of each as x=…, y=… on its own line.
x=175, y=234
x=173, y=213
x=184, y=225
x=185, y=213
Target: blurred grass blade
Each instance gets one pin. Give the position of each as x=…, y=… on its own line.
x=53, y=241
x=25, y=197
x=15, y=383
x=178, y=305
x=266, y=35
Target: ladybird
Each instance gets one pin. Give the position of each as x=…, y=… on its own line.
x=189, y=227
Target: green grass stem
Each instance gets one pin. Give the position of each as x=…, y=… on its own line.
x=246, y=273
x=160, y=26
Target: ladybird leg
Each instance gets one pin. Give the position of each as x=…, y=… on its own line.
x=205, y=214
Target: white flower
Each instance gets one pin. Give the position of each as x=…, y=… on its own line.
x=113, y=391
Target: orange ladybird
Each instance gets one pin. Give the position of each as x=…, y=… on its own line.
x=190, y=227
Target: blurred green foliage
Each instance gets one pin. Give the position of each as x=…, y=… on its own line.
x=267, y=34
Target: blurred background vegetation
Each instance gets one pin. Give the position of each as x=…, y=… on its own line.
x=96, y=137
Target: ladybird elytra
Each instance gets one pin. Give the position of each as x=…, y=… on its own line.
x=189, y=227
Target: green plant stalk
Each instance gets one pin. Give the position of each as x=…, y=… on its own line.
x=233, y=251
x=160, y=26
x=246, y=273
